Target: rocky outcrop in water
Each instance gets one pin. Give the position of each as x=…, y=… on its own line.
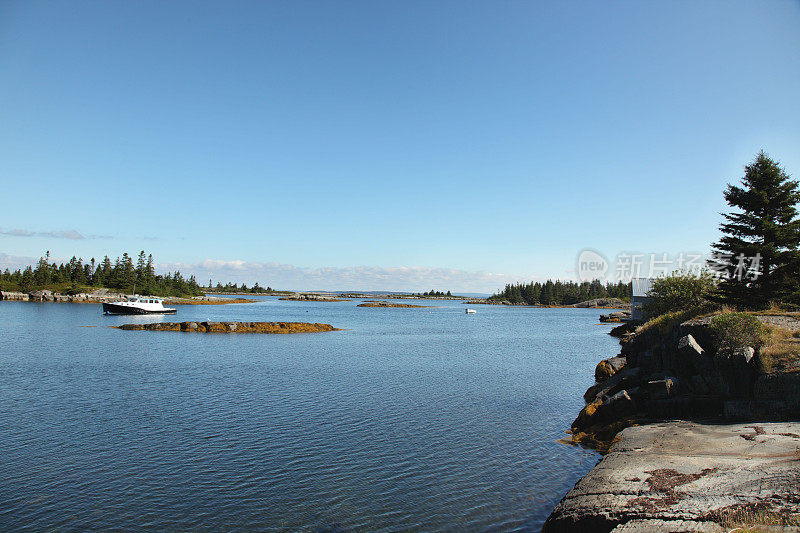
x=618, y=316
x=685, y=476
x=233, y=327
x=387, y=304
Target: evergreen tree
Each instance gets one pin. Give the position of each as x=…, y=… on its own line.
x=43, y=273
x=141, y=270
x=150, y=272
x=27, y=281
x=758, y=252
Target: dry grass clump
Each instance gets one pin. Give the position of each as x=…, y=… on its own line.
x=779, y=309
x=664, y=323
x=781, y=351
x=755, y=518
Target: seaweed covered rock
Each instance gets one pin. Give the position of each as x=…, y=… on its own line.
x=608, y=367
x=617, y=316
x=233, y=327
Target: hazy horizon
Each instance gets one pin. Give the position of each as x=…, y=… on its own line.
x=385, y=146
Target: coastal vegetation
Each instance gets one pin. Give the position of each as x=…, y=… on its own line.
x=721, y=343
x=561, y=292
x=758, y=255
x=234, y=288
x=432, y=294
x=678, y=292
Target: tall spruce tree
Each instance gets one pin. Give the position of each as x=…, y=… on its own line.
x=764, y=225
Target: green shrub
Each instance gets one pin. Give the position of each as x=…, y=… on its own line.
x=737, y=330
x=678, y=291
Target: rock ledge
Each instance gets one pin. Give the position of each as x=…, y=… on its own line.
x=686, y=476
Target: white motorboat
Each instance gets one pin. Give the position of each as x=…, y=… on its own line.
x=138, y=305
x=470, y=311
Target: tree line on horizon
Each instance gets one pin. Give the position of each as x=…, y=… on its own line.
x=431, y=293
x=75, y=276
x=123, y=275
x=236, y=288
x=561, y=292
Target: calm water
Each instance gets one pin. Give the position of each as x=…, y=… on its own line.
x=412, y=419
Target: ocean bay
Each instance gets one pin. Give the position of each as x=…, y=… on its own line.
x=408, y=418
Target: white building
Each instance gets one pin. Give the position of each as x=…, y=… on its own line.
x=640, y=295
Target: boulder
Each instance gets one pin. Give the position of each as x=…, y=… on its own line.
x=41, y=296
x=622, y=330
x=698, y=384
x=617, y=316
x=777, y=396
x=736, y=409
x=661, y=389
x=616, y=407
x=14, y=296
x=735, y=370
x=691, y=358
x=649, y=360
x=627, y=377
x=608, y=367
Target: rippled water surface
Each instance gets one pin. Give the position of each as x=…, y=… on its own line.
x=423, y=419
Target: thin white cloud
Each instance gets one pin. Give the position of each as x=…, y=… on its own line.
x=16, y=262
x=368, y=278
x=57, y=234
x=284, y=276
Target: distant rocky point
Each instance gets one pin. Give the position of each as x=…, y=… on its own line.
x=103, y=295
x=597, y=303
x=233, y=327
x=310, y=297
x=603, y=303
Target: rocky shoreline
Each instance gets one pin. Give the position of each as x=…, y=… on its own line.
x=597, y=303
x=232, y=327
x=102, y=295
x=687, y=400
x=683, y=373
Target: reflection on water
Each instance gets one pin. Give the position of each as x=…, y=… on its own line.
x=411, y=418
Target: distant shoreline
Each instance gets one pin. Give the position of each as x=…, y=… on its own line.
x=101, y=297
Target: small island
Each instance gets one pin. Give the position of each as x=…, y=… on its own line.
x=232, y=327
x=388, y=304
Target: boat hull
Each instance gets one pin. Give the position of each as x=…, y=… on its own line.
x=114, y=309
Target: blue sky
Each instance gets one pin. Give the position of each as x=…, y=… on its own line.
x=339, y=144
